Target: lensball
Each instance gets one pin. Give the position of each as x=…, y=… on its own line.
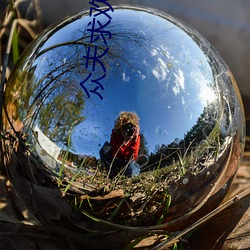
x=121, y=121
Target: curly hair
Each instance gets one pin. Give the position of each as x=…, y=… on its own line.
x=126, y=117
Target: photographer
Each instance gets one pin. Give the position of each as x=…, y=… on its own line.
x=119, y=156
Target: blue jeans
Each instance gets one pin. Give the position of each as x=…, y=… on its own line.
x=133, y=168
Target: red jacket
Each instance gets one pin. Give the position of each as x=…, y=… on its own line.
x=126, y=151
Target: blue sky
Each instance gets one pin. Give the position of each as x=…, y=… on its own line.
x=158, y=71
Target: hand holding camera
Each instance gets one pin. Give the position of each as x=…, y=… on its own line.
x=130, y=131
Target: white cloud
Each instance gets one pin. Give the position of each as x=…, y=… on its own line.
x=161, y=70
x=159, y=132
x=145, y=62
x=206, y=93
x=183, y=101
x=179, y=82
x=154, y=52
x=141, y=75
x=124, y=78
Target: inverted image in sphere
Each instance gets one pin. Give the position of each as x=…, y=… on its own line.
x=121, y=120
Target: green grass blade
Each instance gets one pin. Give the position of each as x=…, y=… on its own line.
x=70, y=184
x=168, y=203
x=117, y=209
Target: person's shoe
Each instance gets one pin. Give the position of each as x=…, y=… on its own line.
x=142, y=160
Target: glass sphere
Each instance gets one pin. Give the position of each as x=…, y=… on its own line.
x=119, y=122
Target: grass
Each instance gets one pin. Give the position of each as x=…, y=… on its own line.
x=137, y=196
x=140, y=201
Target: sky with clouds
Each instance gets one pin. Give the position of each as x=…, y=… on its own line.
x=163, y=76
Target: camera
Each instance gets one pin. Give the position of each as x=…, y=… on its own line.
x=128, y=129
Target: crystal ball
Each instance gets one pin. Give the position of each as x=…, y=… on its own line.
x=121, y=120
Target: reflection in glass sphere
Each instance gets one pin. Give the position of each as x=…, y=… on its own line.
x=139, y=127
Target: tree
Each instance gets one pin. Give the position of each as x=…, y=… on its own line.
x=57, y=117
